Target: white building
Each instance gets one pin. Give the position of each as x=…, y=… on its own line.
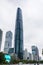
x=8, y=41
x=27, y=55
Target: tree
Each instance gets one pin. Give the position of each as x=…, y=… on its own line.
x=2, y=59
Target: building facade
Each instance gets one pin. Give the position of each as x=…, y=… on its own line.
x=35, y=53
x=11, y=51
x=19, y=34
x=8, y=41
x=1, y=32
x=25, y=52
x=27, y=55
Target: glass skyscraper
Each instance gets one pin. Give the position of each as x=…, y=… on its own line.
x=35, y=53
x=0, y=38
x=8, y=41
x=19, y=34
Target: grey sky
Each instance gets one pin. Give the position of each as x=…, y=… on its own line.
x=32, y=11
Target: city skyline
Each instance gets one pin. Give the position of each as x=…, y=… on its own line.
x=32, y=21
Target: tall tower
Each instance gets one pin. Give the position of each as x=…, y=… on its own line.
x=35, y=53
x=8, y=41
x=19, y=34
x=0, y=38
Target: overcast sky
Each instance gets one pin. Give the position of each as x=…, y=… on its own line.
x=32, y=11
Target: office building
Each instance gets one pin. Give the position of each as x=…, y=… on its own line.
x=1, y=32
x=25, y=54
x=18, y=42
x=8, y=41
x=29, y=56
x=35, y=53
x=42, y=51
x=11, y=50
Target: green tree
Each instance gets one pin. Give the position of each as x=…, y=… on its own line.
x=2, y=59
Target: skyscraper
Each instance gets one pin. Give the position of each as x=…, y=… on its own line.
x=8, y=41
x=19, y=34
x=35, y=53
x=0, y=38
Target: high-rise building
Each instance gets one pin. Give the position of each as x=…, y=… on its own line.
x=11, y=50
x=35, y=53
x=8, y=41
x=25, y=52
x=19, y=34
x=0, y=38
